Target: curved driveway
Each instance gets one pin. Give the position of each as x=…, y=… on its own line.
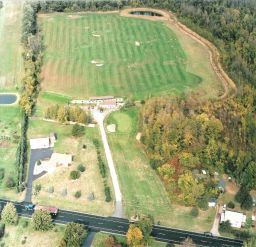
x=99, y=117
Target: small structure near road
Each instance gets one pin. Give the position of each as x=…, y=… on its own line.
x=236, y=219
x=111, y=128
x=45, y=142
x=212, y=203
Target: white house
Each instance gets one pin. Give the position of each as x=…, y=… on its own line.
x=236, y=219
x=56, y=160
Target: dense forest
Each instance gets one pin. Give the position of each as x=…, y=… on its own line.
x=180, y=137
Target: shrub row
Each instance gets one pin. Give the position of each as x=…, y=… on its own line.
x=103, y=172
x=21, y=155
x=101, y=163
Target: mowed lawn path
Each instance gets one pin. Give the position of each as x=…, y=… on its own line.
x=142, y=190
x=105, y=54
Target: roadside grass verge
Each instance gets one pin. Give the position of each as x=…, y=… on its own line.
x=90, y=180
x=142, y=190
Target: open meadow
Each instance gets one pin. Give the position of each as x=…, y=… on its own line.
x=142, y=190
x=10, y=45
x=106, y=54
x=64, y=188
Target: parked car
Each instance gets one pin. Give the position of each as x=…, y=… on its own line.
x=29, y=207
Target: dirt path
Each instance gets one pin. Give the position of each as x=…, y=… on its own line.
x=170, y=19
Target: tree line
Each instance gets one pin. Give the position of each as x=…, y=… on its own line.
x=180, y=138
x=68, y=113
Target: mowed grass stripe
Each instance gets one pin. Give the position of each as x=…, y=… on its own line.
x=128, y=70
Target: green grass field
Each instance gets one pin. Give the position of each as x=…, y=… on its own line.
x=139, y=58
x=9, y=127
x=10, y=45
x=142, y=190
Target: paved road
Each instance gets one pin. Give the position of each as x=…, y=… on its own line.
x=35, y=155
x=120, y=226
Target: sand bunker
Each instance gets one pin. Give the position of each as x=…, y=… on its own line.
x=137, y=43
x=98, y=63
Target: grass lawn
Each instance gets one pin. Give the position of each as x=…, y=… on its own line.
x=142, y=190
x=99, y=238
x=9, y=128
x=23, y=235
x=90, y=180
x=47, y=99
x=135, y=57
x=10, y=45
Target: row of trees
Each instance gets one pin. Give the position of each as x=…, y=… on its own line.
x=180, y=137
x=103, y=171
x=68, y=113
x=32, y=58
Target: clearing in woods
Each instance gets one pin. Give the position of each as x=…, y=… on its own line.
x=107, y=54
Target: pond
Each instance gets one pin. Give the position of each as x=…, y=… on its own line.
x=7, y=99
x=145, y=13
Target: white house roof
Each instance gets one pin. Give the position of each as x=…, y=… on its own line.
x=236, y=219
x=39, y=143
x=61, y=159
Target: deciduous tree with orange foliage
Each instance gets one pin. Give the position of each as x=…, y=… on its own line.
x=134, y=236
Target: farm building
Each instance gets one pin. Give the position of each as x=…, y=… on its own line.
x=236, y=219
x=108, y=104
x=100, y=99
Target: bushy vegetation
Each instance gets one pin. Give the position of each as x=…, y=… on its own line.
x=74, y=235
x=68, y=113
x=139, y=234
x=101, y=163
x=103, y=171
x=74, y=175
x=81, y=168
x=78, y=194
x=77, y=130
x=41, y=220
x=180, y=136
x=9, y=214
